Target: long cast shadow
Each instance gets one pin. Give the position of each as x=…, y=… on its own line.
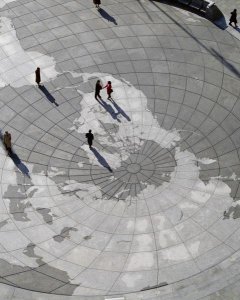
x=214, y=53
x=17, y=161
x=236, y=28
x=19, y=164
x=146, y=12
x=213, y=13
x=109, y=109
x=120, y=110
x=101, y=159
x=106, y=16
x=226, y=64
x=48, y=95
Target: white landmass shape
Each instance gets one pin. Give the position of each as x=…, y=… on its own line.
x=17, y=66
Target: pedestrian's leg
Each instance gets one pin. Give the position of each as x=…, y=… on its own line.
x=8, y=150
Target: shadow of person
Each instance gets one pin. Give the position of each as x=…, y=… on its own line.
x=101, y=159
x=226, y=63
x=120, y=110
x=236, y=28
x=189, y=33
x=109, y=109
x=48, y=95
x=19, y=164
x=144, y=9
x=106, y=16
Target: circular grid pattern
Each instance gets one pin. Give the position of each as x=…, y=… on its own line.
x=178, y=65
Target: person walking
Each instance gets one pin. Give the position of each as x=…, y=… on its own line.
x=7, y=140
x=98, y=88
x=233, y=18
x=97, y=3
x=90, y=138
x=38, y=76
x=109, y=90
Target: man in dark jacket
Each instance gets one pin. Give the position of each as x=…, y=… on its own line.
x=38, y=76
x=233, y=18
x=97, y=3
x=7, y=142
x=98, y=88
x=90, y=138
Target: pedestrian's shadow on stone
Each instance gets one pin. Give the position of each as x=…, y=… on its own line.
x=226, y=63
x=110, y=110
x=120, y=110
x=48, y=95
x=101, y=159
x=19, y=164
x=236, y=28
x=106, y=16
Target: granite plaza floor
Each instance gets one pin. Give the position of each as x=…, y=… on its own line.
x=153, y=210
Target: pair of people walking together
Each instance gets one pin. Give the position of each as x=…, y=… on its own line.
x=99, y=87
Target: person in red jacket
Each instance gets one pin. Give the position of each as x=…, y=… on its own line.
x=109, y=90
